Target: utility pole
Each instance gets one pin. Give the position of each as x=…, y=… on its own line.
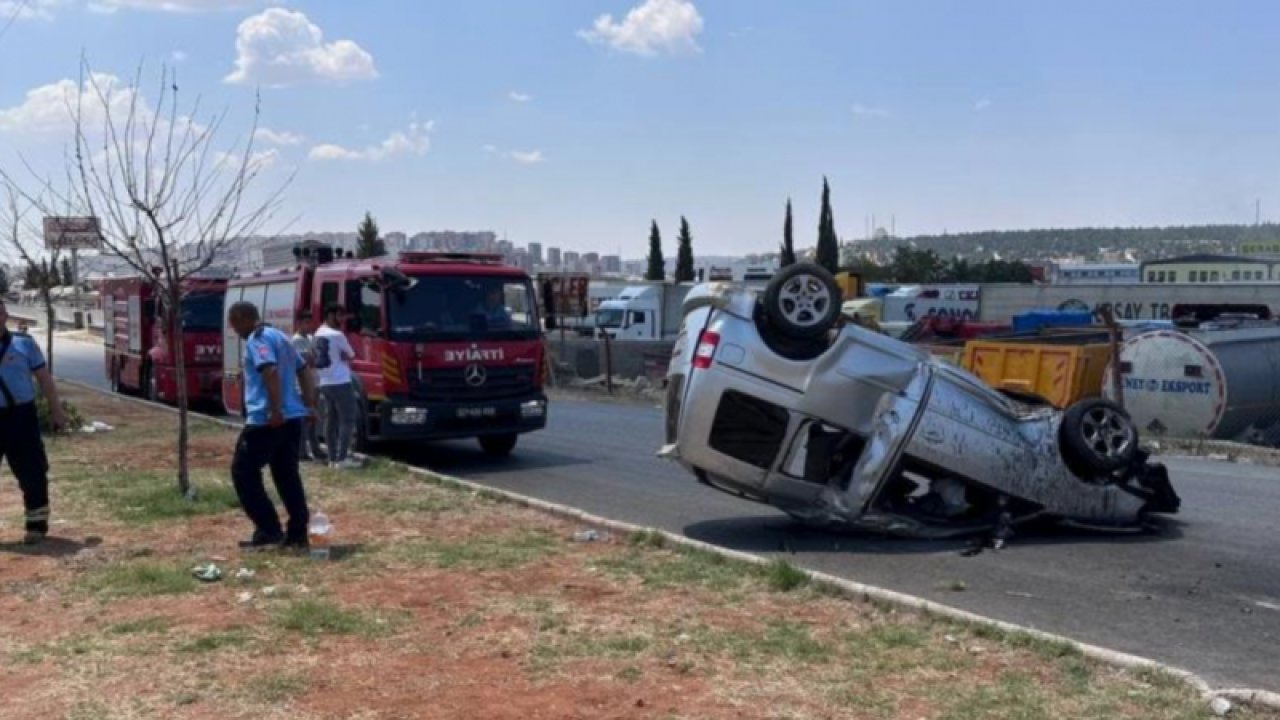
x=1257, y=212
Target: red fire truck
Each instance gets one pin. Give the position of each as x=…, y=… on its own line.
x=448, y=345
x=139, y=354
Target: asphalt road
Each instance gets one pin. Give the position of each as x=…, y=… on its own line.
x=1203, y=593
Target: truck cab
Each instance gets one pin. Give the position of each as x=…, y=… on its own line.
x=632, y=316
x=140, y=356
x=447, y=345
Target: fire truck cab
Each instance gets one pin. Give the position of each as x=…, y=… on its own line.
x=448, y=345
x=139, y=354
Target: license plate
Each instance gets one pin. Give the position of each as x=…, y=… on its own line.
x=477, y=412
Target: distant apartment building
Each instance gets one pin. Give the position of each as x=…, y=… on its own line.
x=535, y=253
x=553, y=257
x=611, y=264
x=591, y=258
x=395, y=241
x=572, y=260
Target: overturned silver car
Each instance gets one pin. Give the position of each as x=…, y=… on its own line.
x=773, y=397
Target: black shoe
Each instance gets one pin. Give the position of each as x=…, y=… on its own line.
x=296, y=544
x=34, y=537
x=261, y=542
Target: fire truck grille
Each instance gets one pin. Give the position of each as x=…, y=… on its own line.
x=444, y=385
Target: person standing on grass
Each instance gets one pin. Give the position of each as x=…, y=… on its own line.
x=333, y=362
x=20, y=444
x=303, y=342
x=278, y=398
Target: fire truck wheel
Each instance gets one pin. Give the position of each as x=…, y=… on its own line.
x=498, y=445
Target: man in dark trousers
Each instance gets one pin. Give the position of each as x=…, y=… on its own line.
x=20, y=444
x=278, y=398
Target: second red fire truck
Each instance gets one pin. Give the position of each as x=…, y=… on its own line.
x=448, y=345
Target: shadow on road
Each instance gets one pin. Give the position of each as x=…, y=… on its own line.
x=465, y=457
x=770, y=533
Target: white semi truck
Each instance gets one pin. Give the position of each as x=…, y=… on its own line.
x=643, y=312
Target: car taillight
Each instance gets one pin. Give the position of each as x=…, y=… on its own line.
x=707, y=343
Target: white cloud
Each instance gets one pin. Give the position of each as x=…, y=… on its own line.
x=981, y=105
x=280, y=47
x=48, y=108
x=532, y=157
x=519, y=97
x=258, y=162
x=271, y=137
x=178, y=56
x=174, y=6
x=28, y=10
x=866, y=111
x=414, y=140
x=654, y=25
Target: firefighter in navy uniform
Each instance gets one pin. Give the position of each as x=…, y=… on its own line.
x=20, y=362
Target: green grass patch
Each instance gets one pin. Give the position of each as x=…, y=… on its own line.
x=235, y=637
x=276, y=687
x=425, y=500
x=776, y=640
x=679, y=568
x=148, y=498
x=782, y=576
x=313, y=617
x=501, y=552
x=138, y=579
x=141, y=626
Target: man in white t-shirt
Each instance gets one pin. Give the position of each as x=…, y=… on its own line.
x=333, y=363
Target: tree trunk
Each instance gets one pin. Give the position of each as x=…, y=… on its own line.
x=177, y=346
x=50, y=316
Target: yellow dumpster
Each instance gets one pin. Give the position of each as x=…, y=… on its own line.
x=1061, y=374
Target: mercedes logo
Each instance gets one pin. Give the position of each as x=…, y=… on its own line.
x=474, y=375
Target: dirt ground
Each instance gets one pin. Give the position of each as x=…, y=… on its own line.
x=440, y=603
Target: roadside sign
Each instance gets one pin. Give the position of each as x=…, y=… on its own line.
x=72, y=233
x=565, y=293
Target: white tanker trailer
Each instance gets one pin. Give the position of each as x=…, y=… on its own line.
x=1220, y=381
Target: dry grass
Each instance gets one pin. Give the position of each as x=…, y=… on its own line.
x=443, y=603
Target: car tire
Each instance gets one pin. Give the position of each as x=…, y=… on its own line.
x=1098, y=436
x=498, y=445
x=801, y=350
x=802, y=301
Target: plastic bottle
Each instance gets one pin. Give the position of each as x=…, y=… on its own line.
x=319, y=531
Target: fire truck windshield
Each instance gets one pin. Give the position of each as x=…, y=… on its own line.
x=202, y=311
x=436, y=307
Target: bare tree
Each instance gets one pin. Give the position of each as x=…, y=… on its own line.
x=23, y=239
x=172, y=203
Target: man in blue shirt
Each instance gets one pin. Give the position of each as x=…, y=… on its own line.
x=278, y=397
x=20, y=362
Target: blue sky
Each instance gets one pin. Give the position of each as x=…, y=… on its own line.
x=544, y=120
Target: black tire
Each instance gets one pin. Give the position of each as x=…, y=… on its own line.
x=1098, y=437
x=802, y=301
x=115, y=379
x=784, y=346
x=498, y=445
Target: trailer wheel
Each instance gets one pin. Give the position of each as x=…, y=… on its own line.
x=1098, y=436
x=498, y=445
x=802, y=301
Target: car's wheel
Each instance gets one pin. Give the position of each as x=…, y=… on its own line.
x=1098, y=436
x=802, y=301
x=498, y=445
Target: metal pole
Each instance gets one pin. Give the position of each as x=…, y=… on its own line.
x=608, y=364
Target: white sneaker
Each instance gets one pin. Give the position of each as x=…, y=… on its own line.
x=351, y=464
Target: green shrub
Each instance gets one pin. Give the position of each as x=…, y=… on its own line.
x=74, y=419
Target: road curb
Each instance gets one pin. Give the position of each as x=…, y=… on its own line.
x=847, y=588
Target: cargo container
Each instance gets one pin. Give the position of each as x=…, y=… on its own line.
x=1058, y=372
